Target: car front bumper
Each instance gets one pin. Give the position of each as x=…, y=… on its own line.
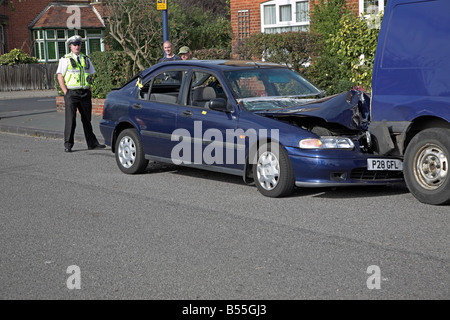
x=327, y=168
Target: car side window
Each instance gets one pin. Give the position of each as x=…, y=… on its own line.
x=164, y=87
x=204, y=87
x=143, y=89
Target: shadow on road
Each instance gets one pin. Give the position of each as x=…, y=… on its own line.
x=347, y=192
x=27, y=114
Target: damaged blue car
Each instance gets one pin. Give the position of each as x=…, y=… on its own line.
x=258, y=120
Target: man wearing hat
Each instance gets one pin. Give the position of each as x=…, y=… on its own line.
x=185, y=53
x=75, y=72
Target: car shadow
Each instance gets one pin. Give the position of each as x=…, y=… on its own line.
x=156, y=167
x=347, y=192
x=350, y=192
x=160, y=167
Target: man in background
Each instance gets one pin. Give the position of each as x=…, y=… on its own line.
x=170, y=56
x=185, y=53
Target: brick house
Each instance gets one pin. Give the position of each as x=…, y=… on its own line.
x=273, y=16
x=41, y=27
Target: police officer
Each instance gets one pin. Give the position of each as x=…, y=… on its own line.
x=75, y=72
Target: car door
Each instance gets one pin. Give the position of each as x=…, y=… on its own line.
x=156, y=108
x=206, y=137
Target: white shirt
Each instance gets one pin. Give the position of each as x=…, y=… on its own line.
x=64, y=64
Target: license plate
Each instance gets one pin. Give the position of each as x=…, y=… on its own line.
x=384, y=164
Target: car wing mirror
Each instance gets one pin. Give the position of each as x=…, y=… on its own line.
x=219, y=104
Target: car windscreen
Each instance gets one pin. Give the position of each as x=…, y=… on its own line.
x=264, y=88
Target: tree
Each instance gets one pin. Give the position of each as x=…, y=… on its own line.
x=326, y=70
x=137, y=27
x=205, y=30
x=216, y=8
x=293, y=49
x=355, y=44
x=325, y=16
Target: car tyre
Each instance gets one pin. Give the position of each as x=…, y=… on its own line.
x=426, y=166
x=272, y=171
x=130, y=155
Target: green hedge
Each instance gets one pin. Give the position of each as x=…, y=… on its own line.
x=16, y=56
x=211, y=54
x=293, y=49
x=355, y=44
x=349, y=42
x=112, y=70
x=327, y=73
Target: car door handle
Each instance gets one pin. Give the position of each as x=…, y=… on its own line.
x=187, y=113
x=137, y=106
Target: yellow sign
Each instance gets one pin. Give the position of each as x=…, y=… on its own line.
x=161, y=5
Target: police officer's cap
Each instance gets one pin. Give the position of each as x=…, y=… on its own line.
x=74, y=40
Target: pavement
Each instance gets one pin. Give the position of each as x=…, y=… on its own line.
x=45, y=122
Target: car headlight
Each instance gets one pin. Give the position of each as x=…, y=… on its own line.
x=327, y=143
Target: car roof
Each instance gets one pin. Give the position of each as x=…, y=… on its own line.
x=222, y=65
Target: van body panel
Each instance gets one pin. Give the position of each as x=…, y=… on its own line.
x=410, y=105
x=411, y=76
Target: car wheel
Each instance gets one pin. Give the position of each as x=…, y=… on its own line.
x=130, y=155
x=426, y=166
x=272, y=172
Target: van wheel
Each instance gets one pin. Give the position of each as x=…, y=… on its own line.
x=272, y=172
x=130, y=155
x=426, y=166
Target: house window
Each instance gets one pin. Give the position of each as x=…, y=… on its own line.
x=367, y=7
x=51, y=34
x=270, y=16
x=51, y=50
x=302, y=11
x=284, y=15
x=61, y=34
x=94, y=45
x=62, y=48
x=50, y=45
x=243, y=24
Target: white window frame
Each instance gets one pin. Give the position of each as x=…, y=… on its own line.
x=381, y=5
x=42, y=42
x=282, y=24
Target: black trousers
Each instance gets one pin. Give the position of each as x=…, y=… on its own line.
x=78, y=100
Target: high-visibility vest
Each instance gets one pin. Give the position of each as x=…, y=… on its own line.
x=77, y=75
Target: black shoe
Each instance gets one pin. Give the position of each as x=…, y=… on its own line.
x=99, y=146
x=68, y=150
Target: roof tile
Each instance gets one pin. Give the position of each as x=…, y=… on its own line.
x=57, y=16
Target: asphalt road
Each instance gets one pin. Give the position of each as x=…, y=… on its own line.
x=74, y=227
x=34, y=104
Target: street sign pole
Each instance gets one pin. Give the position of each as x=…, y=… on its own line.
x=162, y=6
x=165, y=26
